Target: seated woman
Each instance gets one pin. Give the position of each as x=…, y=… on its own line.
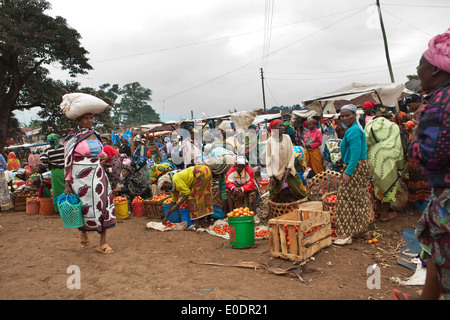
x=194, y=185
x=241, y=186
x=131, y=185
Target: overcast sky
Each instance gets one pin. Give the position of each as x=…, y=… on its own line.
x=206, y=55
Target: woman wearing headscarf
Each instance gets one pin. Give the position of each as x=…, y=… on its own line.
x=114, y=164
x=86, y=177
x=369, y=113
x=241, y=185
x=194, y=185
x=313, y=141
x=53, y=156
x=353, y=198
x=13, y=162
x=429, y=148
x=385, y=153
x=284, y=182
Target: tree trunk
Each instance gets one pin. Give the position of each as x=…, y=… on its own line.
x=6, y=107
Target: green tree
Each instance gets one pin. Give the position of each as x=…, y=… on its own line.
x=29, y=40
x=133, y=108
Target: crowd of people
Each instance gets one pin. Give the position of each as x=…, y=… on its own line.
x=403, y=155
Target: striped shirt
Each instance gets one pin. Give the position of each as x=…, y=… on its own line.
x=54, y=157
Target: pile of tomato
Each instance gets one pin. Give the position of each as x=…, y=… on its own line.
x=184, y=205
x=158, y=197
x=240, y=212
x=119, y=199
x=221, y=229
x=137, y=199
x=331, y=198
x=261, y=233
x=33, y=199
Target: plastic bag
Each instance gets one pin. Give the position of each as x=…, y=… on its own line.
x=71, y=198
x=75, y=105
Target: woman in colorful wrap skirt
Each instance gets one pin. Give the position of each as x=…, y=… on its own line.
x=353, y=198
x=86, y=177
x=194, y=185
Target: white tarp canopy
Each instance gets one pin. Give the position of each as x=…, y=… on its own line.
x=385, y=94
x=304, y=113
x=263, y=117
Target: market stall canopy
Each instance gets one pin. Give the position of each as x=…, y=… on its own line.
x=386, y=94
x=266, y=117
x=304, y=113
x=25, y=146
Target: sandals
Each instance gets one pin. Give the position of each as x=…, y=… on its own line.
x=106, y=249
x=400, y=295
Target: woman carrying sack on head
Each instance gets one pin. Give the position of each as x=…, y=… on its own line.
x=86, y=177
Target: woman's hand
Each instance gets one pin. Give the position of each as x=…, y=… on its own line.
x=346, y=179
x=286, y=173
x=67, y=188
x=103, y=159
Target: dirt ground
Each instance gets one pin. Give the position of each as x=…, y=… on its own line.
x=36, y=251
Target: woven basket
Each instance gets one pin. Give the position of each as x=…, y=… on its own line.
x=324, y=182
x=330, y=207
x=154, y=209
x=277, y=209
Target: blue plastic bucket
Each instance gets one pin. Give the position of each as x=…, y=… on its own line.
x=218, y=212
x=185, y=216
x=175, y=217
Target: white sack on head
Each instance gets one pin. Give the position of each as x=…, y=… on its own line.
x=75, y=105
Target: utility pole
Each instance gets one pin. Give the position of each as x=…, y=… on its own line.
x=385, y=42
x=264, y=94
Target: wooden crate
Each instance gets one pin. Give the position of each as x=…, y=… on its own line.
x=300, y=246
x=154, y=209
x=20, y=202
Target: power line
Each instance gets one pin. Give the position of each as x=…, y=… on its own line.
x=413, y=26
x=337, y=77
x=219, y=38
x=338, y=71
x=267, y=32
x=415, y=5
x=271, y=53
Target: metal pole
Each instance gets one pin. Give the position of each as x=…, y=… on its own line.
x=264, y=94
x=385, y=42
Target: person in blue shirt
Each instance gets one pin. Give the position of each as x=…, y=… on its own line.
x=353, y=209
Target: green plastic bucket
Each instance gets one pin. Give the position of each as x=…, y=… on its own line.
x=242, y=231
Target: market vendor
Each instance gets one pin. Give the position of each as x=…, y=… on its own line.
x=194, y=185
x=159, y=169
x=241, y=186
x=313, y=141
x=44, y=185
x=54, y=158
x=285, y=184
